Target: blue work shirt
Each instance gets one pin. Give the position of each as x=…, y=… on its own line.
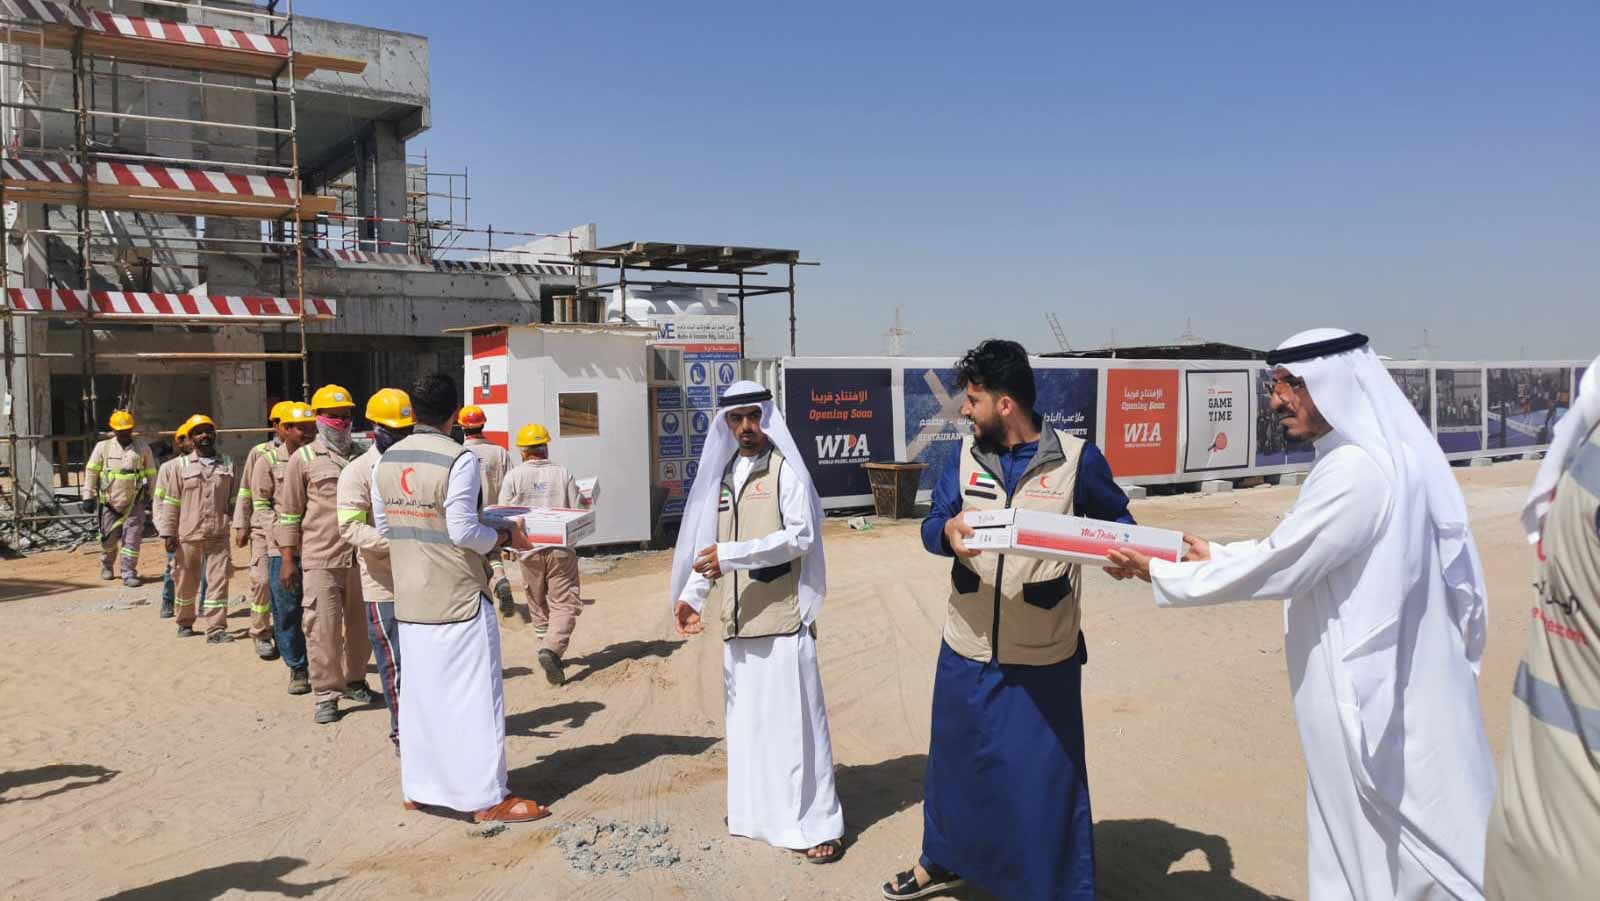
x=1095, y=494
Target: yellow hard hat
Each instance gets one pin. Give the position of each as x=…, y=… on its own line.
x=297, y=413
x=278, y=410
x=198, y=419
x=390, y=407
x=472, y=417
x=121, y=420
x=183, y=430
x=331, y=397
x=532, y=435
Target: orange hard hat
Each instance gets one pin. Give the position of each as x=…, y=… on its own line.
x=472, y=417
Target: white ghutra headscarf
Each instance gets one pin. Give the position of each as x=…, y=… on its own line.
x=1570, y=434
x=699, y=527
x=1361, y=401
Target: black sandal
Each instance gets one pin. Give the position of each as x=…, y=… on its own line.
x=835, y=848
x=905, y=888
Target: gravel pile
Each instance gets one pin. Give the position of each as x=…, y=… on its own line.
x=613, y=846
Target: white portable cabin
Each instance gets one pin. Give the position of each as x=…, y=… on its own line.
x=586, y=383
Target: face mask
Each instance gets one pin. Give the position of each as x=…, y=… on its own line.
x=335, y=433
x=383, y=439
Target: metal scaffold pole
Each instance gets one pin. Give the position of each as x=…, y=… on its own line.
x=299, y=190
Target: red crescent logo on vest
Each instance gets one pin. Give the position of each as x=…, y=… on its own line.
x=1044, y=481
x=405, y=474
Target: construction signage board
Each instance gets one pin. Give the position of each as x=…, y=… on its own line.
x=1068, y=400
x=669, y=434
x=1218, y=419
x=1525, y=404
x=1142, y=421
x=840, y=419
x=1459, y=413
x=933, y=422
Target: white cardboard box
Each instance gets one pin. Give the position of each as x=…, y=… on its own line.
x=588, y=491
x=1028, y=533
x=545, y=528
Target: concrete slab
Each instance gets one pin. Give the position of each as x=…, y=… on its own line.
x=1480, y=461
x=1135, y=492
x=1215, y=486
x=1292, y=478
x=1533, y=455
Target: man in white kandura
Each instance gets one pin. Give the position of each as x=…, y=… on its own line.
x=1384, y=629
x=752, y=527
x=425, y=496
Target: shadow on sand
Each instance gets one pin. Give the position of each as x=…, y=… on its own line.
x=264, y=876
x=82, y=774
x=615, y=654
x=564, y=771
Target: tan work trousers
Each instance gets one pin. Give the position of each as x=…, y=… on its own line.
x=260, y=590
x=550, y=580
x=211, y=557
x=335, y=624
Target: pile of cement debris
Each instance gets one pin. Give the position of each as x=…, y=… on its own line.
x=48, y=535
x=599, y=846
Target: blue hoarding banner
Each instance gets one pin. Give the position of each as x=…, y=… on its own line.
x=840, y=419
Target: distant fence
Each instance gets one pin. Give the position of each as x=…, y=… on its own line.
x=1158, y=421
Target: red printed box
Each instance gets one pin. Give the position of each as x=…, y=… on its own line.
x=545, y=528
x=1028, y=533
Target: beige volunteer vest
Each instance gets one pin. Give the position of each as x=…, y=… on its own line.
x=435, y=581
x=1013, y=609
x=757, y=603
x=1542, y=832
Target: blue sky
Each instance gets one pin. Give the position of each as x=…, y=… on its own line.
x=1257, y=167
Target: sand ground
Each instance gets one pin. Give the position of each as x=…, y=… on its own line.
x=139, y=765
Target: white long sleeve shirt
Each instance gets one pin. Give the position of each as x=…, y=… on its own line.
x=1400, y=775
x=788, y=543
x=460, y=508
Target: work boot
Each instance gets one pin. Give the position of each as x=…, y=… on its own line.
x=358, y=692
x=186, y=631
x=166, y=608
x=299, y=682
x=508, y=605
x=130, y=582
x=106, y=573
x=220, y=636
x=327, y=712
x=266, y=649
x=550, y=661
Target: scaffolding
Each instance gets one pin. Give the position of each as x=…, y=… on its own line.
x=105, y=161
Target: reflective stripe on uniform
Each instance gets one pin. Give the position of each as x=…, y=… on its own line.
x=128, y=552
x=426, y=536
x=290, y=519
x=260, y=608
x=1550, y=705
x=137, y=474
x=412, y=455
x=261, y=505
x=352, y=515
x=244, y=492
x=212, y=605
x=94, y=467
x=307, y=454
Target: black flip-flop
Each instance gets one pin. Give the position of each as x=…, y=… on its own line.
x=905, y=888
x=837, y=844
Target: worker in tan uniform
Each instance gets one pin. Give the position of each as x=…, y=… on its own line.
x=1546, y=818
x=549, y=575
x=494, y=462
x=181, y=447
x=297, y=426
x=117, y=482
x=389, y=411
x=308, y=535
x=196, y=500
x=245, y=534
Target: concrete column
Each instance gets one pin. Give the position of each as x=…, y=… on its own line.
x=366, y=198
x=389, y=175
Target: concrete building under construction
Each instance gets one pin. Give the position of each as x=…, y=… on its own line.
x=210, y=206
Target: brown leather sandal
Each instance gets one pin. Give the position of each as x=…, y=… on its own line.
x=512, y=810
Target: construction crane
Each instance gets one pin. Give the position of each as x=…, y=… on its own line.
x=895, y=337
x=1060, y=333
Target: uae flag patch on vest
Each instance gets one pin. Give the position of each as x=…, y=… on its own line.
x=982, y=485
x=725, y=501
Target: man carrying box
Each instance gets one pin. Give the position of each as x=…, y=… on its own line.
x=1006, y=797
x=1384, y=629
x=549, y=575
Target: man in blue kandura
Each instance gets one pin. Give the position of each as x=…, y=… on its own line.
x=1006, y=796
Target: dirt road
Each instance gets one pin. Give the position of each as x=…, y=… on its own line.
x=137, y=765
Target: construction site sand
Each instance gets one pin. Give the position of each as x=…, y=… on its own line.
x=137, y=765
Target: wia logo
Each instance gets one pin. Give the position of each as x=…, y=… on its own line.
x=831, y=448
x=1141, y=432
